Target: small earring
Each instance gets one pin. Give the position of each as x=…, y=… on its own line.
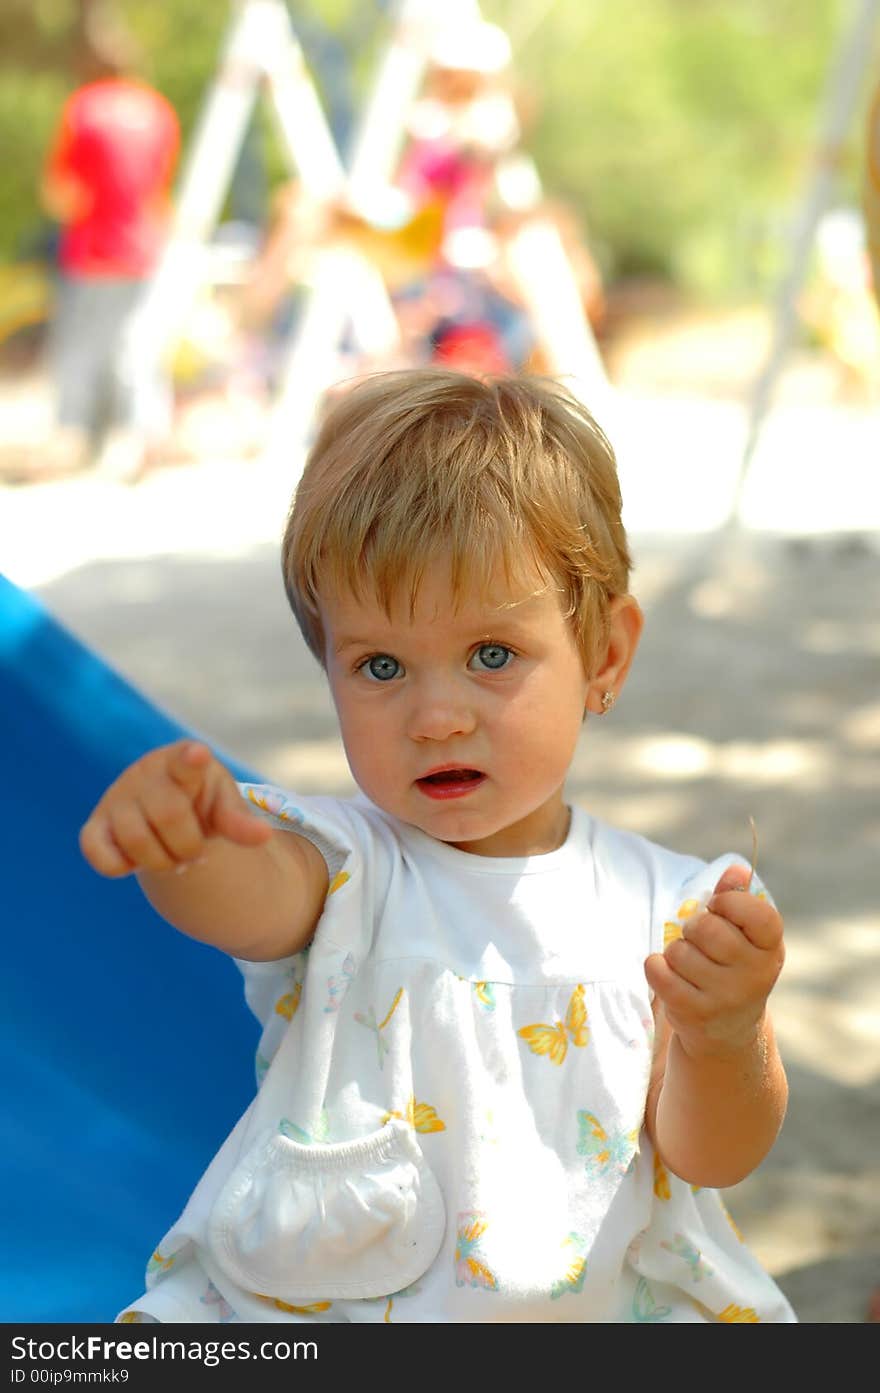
x=608, y=699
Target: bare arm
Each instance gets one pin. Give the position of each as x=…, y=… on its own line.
x=718, y=1090
x=205, y=862
x=63, y=196
x=714, y=1119
x=62, y=192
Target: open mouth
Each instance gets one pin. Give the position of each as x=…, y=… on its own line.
x=451, y=783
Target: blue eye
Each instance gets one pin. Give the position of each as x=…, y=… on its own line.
x=382, y=667
x=493, y=657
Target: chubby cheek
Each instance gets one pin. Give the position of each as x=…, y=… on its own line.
x=369, y=749
x=368, y=759
x=539, y=738
x=552, y=756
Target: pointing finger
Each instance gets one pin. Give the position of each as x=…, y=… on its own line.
x=232, y=819
x=188, y=764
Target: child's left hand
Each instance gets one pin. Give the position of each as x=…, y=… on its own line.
x=715, y=979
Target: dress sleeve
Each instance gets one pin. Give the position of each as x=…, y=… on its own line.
x=304, y=816
x=693, y=894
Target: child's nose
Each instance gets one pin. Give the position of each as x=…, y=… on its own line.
x=438, y=715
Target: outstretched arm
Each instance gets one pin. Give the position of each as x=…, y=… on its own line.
x=63, y=193
x=205, y=862
x=718, y=1090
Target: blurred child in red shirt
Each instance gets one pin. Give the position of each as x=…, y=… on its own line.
x=107, y=180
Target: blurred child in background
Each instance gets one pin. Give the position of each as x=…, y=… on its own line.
x=107, y=181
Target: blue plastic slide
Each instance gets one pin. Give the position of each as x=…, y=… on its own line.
x=127, y=1048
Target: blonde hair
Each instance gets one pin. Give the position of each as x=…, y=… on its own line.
x=410, y=465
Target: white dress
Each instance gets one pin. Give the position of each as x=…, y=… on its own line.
x=452, y=1083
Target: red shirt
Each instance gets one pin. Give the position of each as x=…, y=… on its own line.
x=118, y=139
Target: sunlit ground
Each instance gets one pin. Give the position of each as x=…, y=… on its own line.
x=814, y=472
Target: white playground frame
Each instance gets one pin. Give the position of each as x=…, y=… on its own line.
x=262, y=52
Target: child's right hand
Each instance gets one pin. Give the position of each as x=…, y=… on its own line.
x=161, y=813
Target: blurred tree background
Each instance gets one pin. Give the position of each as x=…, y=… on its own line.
x=681, y=132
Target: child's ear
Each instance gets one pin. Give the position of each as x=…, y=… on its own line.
x=625, y=623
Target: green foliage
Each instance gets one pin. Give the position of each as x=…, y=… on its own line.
x=181, y=41
x=680, y=131
x=28, y=102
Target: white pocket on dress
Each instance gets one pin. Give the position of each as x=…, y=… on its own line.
x=344, y=1220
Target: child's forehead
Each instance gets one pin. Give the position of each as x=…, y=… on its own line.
x=436, y=594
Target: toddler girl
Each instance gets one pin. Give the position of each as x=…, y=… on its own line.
x=509, y=1051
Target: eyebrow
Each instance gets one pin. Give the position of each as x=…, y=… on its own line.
x=503, y=628
x=346, y=642
x=505, y=617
